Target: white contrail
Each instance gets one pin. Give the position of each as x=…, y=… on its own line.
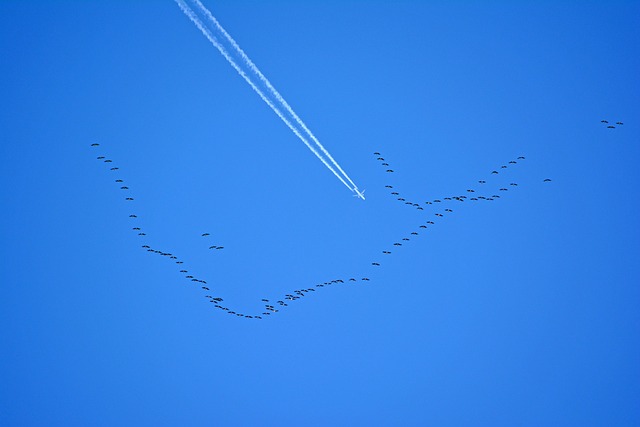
x=267, y=83
x=191, y=14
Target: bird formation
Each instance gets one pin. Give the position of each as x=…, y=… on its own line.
x=270, y=307
x=606, y=122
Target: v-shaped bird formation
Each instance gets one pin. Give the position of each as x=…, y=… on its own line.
x=476, y=194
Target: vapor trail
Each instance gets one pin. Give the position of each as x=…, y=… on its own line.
x=273, y=90
x=191, y=14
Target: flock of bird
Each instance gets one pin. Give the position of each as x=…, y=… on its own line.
x=272, y=307
x=606, y=122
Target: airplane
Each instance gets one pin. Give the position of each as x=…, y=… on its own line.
x=359, y=194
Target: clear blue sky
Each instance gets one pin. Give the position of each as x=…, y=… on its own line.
x=519, y=311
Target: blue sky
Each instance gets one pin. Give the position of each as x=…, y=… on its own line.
x=518, y=311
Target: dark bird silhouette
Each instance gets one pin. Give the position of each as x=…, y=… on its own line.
x=389, y=170
x=388, y=186
x=205, y=234
x=114, y=169
x=119, y=180
x=95, y=144
x=108, y=161
x=521, y=158
x=133, y=216
x=494, y=172
x=603, y=121
x=100, y=157
x=482, y=182
x=611, y=127
x=129, y=198
x=124, y=188
x=619, y=123
x=376, y=153
x=547, y=180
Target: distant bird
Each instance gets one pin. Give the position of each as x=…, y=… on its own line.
x=388, y=186
x=108, y=161
x=133, y=216
x=213, y=247
x=380, y=158
x=547, y=180
x=129, y=198
x=141, y=234
x=503, y=166
x=512, y=162
x=611, y=127
x=471, y=191
x=439, y=214
x=376, y=153
x=521, y=158
x=395, y=193
x=95, y=144
x=205, y=288
x=146, y=246
x=504, y=189
x=100, y=157
x=119, y=180
x=401, y=199
x=494, y=172
x=514, y=184
x=205, y=234
x=603, y=121
x=405, y=239
x=423, y=226
x=352, y=280
x=124, y=188
x=436, y=201
x=389, y=170
x=482, y=182
x=414, y=233
x=448, y=210
x=114, y=169
x=385, y=164
x=136, y=228
x=619, y=123
x=397, y=244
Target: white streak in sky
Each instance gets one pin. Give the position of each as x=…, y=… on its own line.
x=267, y=83
x=207, y=33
